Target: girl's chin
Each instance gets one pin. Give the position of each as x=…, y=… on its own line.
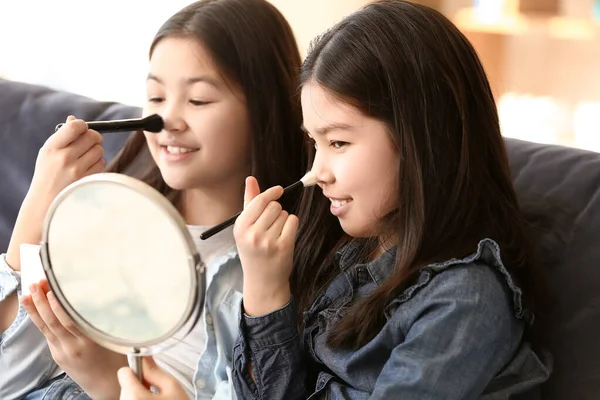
x=177, y=182
x=353, y=230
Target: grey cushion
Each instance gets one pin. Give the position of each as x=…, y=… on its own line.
x=28, y=115
x=567, y=181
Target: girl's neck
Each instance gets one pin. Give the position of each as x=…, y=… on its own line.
x=210, y=206
x=385, y=243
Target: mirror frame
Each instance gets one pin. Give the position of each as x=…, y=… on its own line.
x=197, y=269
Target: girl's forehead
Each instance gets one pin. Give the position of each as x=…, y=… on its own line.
x=320, y=106
x=186, y=61
x=182, y=56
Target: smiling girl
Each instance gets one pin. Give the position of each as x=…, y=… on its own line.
x=411, y=277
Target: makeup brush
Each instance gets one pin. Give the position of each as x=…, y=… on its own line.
x=152, y=123
x=307, y=180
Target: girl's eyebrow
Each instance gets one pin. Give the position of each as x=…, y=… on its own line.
x=188, y=81
x=324, y=130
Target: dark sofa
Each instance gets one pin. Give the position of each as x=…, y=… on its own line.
x=557, y=178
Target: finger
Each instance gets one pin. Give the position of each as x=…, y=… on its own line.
x=68, y=133
x=44, y=285
x=277, y=226
x=257, y=206
x=90, y=157
x=47, y=314
x=84, y=143
x=155, y=376
x=268, y=217
x=62, y=316
x=131, y=387
x=99, y=166
x=29, y=306
x=252, y=190
x=290, y=228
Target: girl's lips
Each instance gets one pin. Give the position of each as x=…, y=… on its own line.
x=339, y=206
x=176, y=154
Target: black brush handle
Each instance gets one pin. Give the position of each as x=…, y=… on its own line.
x=118, y=125
x=230, y=221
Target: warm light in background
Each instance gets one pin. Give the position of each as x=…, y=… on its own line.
x=542, y=58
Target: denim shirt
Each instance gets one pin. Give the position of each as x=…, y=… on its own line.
x=456, y=333
x=26, y=364
x=212, y=379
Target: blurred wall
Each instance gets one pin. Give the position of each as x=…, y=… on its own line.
x=100, y=48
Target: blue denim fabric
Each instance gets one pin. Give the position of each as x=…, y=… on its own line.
x=456, y=333
x=212, y=379
x=60, y=388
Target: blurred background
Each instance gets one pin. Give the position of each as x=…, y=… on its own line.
x=542, y=56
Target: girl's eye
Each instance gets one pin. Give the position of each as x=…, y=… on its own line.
x=337, y=144
x=156, y=100
x=198, y=103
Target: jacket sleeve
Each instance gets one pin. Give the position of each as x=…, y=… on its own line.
x=271, y=346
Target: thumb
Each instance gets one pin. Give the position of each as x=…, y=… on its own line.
x=131, y=387
x=154, y=375
x=252, y=190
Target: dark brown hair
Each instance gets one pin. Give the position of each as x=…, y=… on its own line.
x=411, y=68
x=254, y=47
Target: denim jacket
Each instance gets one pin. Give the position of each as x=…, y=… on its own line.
x=456, y=333
x=212, y=378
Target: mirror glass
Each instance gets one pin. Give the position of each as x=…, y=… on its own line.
x=120, y=260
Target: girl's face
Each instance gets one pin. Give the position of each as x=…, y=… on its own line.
x=206, y=141
x=355, y=163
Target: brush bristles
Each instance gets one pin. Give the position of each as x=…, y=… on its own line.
x=154, y=123
x=309, y=179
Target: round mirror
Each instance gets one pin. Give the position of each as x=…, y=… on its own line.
x=123, y=265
